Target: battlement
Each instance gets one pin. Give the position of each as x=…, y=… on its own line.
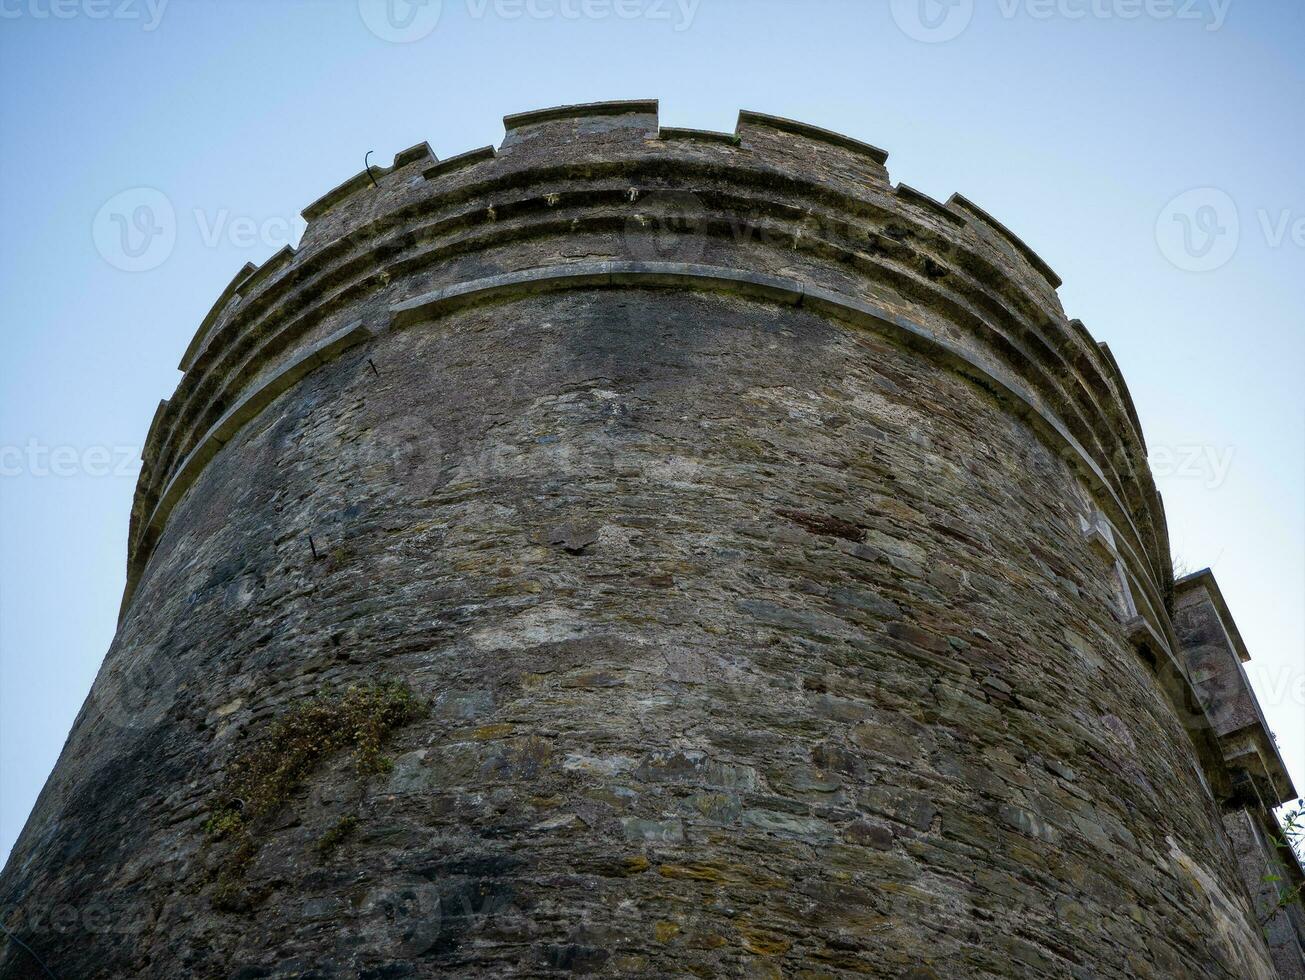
x=593, y=110
x=596, y=176
x=804, y=131
x=460, y=162
x=655, y=499
x=967, y=207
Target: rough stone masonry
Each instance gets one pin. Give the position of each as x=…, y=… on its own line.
x=636, y=551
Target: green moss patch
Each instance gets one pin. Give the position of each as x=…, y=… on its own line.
x=334, y=837
x=262, y=779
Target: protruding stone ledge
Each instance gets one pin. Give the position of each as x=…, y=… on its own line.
x=631, y=107
x=1097, y=368
x=485, y=154
x=254, y=402
x=1120, y=385
x=805, y=130
x=490, y=180
x=413, y=154
x=460, y=162
x=197, y=342
x=701, y=135
x=157, y=420
x=966, y=206
x=462, y=294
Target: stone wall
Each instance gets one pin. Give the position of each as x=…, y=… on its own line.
x=1214, y=652
x=780, y=565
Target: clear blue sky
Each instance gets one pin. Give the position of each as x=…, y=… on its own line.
x=1077, y=131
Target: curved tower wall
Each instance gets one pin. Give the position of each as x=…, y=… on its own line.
x=782, y=567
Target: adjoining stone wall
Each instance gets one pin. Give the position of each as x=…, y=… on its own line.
x=1214, y=651
x=775, y=598
x=1269, y=871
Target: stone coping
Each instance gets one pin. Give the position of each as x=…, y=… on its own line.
x=1033, y=258
x=412, y=154
x=909, y=193
x=460, y=162
x=631, y=107
x=357, y=182
x=794, y=128
x=197, y=342
x=1118, y=376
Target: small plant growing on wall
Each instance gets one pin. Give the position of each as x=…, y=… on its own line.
x=262, y=779
x=1290, y=846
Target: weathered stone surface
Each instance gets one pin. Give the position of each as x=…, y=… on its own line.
x=742, y=571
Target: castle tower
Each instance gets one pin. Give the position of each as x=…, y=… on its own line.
x=649, y=552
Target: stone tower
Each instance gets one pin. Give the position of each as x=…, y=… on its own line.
x=638, y=551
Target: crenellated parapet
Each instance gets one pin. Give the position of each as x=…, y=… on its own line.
x=770, y=573
x=776, y=192
x=605, y=183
